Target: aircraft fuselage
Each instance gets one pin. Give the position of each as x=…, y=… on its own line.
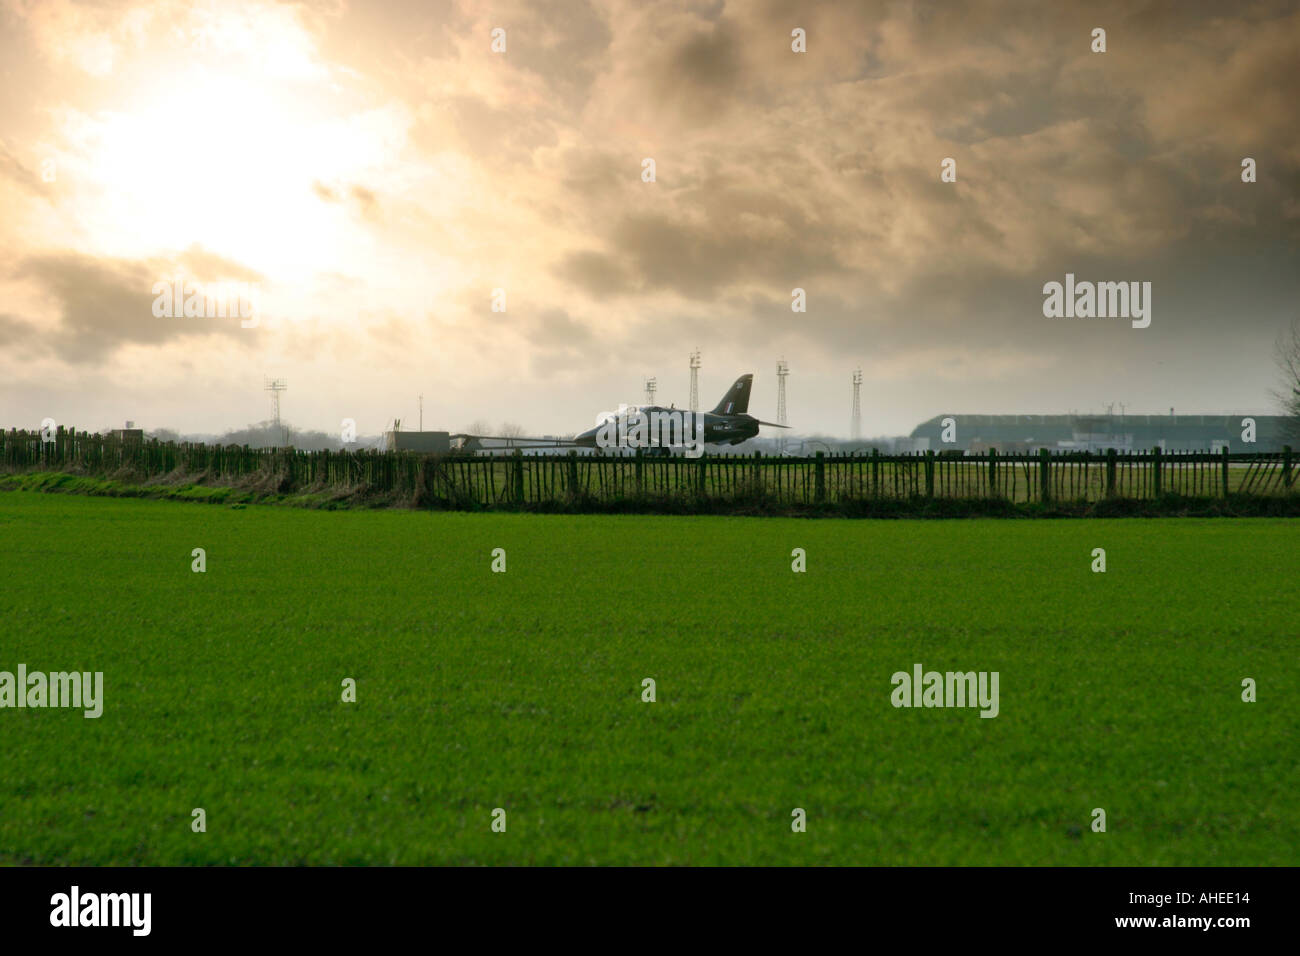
x=718, y=429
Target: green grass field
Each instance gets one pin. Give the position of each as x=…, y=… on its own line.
x=523, y=690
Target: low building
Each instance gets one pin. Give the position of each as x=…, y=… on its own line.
x=433, y=443
x=128, y=434
x=1022, y=434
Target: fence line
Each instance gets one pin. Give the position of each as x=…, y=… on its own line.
x=463, y=481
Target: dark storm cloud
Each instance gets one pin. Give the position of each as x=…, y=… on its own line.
x=596, y=273
x=104, y=304
x=17, y=335
x=696, y=259
x=559, y=41
x=723, y=227
x=556, y=52
x=699, y=73
x=597, y=176
x=1063, y=155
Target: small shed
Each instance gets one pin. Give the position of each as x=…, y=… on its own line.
x=434, y=443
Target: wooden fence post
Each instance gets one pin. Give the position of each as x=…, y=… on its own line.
x=639, y=477
x=820, y=490
x=875, y=472
x=929, y=474
x=1045, y=474
x=1155, y=471
x=1225, y=471
x=993, y=472
x=1110, y=472
x=1286, y=467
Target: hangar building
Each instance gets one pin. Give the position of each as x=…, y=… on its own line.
x=1029, y=433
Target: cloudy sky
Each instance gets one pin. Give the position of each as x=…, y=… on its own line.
x=376, y=170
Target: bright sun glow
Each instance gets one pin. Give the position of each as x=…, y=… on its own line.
x=220, y=160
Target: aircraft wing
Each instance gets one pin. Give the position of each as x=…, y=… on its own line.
x=521, y=441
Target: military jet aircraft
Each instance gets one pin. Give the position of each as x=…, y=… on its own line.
x=728, y=424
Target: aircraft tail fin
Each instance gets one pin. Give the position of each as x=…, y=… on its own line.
x=736, y=401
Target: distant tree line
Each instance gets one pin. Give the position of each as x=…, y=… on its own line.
x=267, y=435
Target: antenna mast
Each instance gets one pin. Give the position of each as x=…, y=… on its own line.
x=856, y=425
x=695, y=380
x=782, y=370
x=275, y=386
